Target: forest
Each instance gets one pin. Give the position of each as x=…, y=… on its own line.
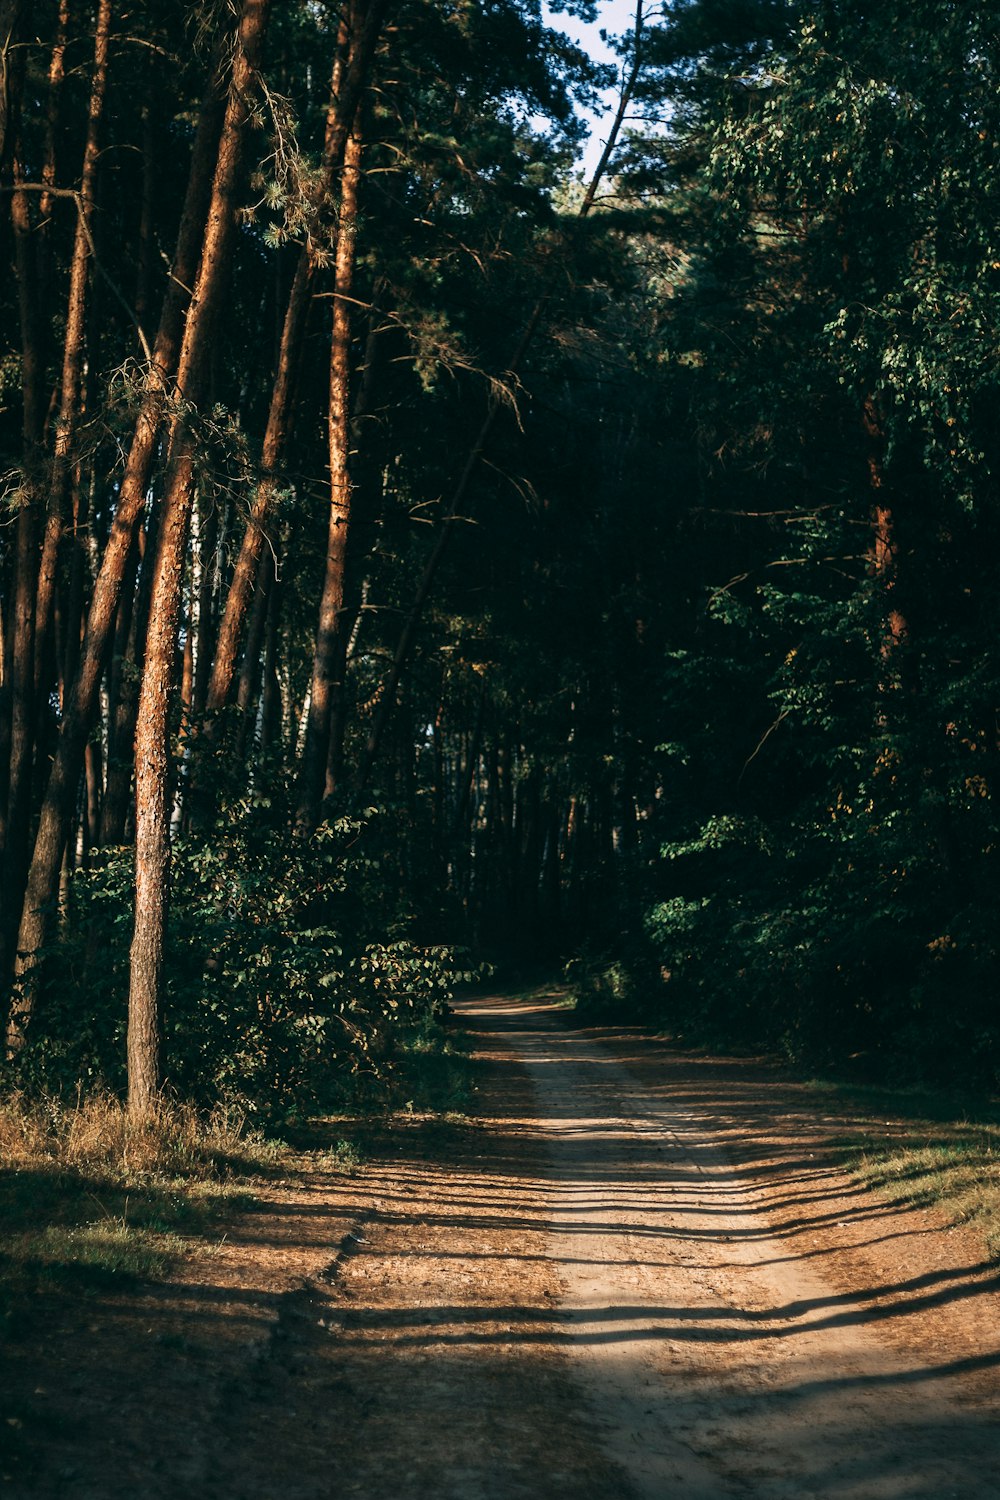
x=419, y=556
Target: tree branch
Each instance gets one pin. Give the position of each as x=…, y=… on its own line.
x=77, y=197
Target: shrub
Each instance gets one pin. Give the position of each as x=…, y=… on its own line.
x=289, y=967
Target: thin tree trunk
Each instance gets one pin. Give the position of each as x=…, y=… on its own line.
x=78, y=583
x=17, y=696
x=208, y=536
x=329, y=646
x=187, y=666
x=11, y=12
x=17, y=689
x=152, y=824
x=270, y=696
x=123, y=697
x=74, y=348
x=350, y=78
x=472, y=761
x=57, y=75
x=365, y=486
x=92, y=805
x=251, y=669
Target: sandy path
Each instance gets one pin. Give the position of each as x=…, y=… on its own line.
x=618, y=1287
x=719, y=1358
x=634, y=1275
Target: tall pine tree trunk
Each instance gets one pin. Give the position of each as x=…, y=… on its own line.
x=74, y=349
x=152, y=748
x=17, y=698
x=17, y=679
x=328, y=649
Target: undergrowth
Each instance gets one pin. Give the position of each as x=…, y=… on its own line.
x=90, y=1197
x=931, y=1148
x=435, y=1069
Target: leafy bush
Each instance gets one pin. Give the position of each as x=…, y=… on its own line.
x=619, y=986
x=289, y=969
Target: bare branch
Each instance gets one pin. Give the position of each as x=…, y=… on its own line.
x=77, y=197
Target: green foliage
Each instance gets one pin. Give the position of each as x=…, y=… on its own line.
x=289, y=969
x=606, y=985
x=818, y=864
x=600, y=986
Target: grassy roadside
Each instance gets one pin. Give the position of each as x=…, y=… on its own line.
x=90, y=1199
x=930, y=1149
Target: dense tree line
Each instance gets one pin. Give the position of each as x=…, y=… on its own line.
x=408, y=546
x=825, y=720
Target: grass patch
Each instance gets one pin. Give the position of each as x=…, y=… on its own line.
x=958, y=1172
x=428, y=1071
x=922, y=1147
x=90, y=1198
x=435, y=1070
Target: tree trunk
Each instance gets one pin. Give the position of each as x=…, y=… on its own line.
x=17, y=690
x=328, y=649
x=350, y=78
x=17, y=695
x=74, y=347
x=270, y=697
x=92, y=801
x=208, y=537
x=152, y=749
x=11, y=12
x=57, y=75
x=251, y=671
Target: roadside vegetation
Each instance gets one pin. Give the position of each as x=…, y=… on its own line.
x=92, y=1198
x=930, y=1149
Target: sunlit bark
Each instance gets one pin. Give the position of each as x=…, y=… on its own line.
x=152, y=750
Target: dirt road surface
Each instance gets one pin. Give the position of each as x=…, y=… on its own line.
x=636, y=1274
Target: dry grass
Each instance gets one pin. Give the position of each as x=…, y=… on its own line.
x=955, y=1168
x=922, y=1146
x=97, y=1135
x=88, y=1195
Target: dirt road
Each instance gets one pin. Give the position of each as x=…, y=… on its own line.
x=636, y=1275
x=706, y=1313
